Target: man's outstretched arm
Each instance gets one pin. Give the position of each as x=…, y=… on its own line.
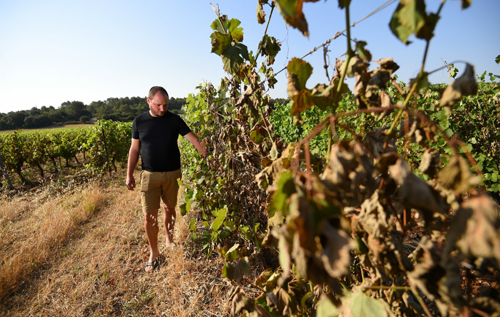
x=133, y=158
x=191, y=137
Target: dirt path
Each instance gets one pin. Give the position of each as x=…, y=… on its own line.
x=96, y=268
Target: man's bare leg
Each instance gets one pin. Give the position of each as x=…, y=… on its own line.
x=151, y=227
x=169, y=223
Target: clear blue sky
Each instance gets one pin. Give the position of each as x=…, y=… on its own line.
x=54, y=51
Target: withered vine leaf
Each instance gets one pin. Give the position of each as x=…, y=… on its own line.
x=457, y=175
x=430, y=163
x=375, y=141
x=322, y=96
x=349, y=167
x=220, y=41
x=291, y=10
x=475, y=234
x=466, y=3
x=428, y=271
x=261, y=14
x=356, y=65
x=241, y=303
x=475, y=231
x=235, y=272
x=465, y=85
x=335, y=252
x=270, y=174
x=415, y=193
x=267, y=280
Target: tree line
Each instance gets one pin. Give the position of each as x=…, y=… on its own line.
x=70, y=112
x=117, y=109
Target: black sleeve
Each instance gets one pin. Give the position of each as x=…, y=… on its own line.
x=183, y=127
x=135, y=132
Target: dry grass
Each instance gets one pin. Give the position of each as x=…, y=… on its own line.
x=83, y=253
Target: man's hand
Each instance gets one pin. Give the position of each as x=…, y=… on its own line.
x=130, y=182
x=204, y=153
x=191, y=137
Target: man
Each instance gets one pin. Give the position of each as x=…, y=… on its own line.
x=154, y=137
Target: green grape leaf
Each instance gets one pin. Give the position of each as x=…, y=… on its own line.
x=325, y=307
x=409, y=18
x=497, y=59
x=258, y=133
x=362, y=52
x=232, y=253
x=323, y=96
x=220, y=42
x=233, y=29
x=217, y=26
x=360, y=304
x=422, y=82
x=256, y=137
x=427, y=31
x=286, y=187
x=220, y=217
x=269, y=47
x=302, y=70
x=232, y=57
x=466, y=3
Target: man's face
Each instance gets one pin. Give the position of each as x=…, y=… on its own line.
x=158, y=105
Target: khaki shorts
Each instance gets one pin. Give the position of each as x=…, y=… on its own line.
x=159, y=185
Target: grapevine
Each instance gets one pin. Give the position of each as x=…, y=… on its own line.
x=385, y=218
x=22, y=151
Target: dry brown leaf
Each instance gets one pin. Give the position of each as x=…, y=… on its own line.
x=428, y=272
x=465, y=85
x=457, y=175
x=335, y=255
x=476, y=229
x=415, y=193
x=348, y=168
x=430, y=162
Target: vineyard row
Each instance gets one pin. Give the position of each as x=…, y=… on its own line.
x=101, y=146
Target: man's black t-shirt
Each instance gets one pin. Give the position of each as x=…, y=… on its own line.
x=158, y=136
